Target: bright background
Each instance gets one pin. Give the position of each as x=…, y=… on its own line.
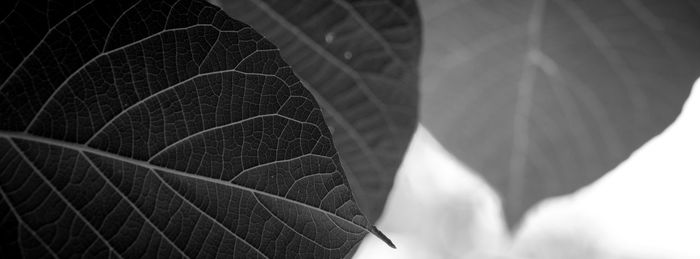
x=647, y=207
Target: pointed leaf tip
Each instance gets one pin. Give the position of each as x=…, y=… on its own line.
x=374, y=230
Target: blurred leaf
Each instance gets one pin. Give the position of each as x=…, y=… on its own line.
x=161, y=129
x=359, y=59
x=544, y=97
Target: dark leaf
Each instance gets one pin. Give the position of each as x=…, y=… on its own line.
x=161, y=129
x=544, y=97
x=359, y=59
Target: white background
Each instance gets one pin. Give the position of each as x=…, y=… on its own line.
x=647, y=207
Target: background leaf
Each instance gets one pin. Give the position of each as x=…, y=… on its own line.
x=543, y=97
x=161, y=129
x=359, y=59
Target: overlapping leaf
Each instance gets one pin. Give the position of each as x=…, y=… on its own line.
x=359, y=59
x=161, y=129
x=543, y=97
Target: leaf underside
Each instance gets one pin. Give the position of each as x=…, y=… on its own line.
x=544, y=97
x=161, y=129
x=360, y=60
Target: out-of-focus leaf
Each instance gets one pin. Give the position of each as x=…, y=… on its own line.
x=543, y=97
x=359, y=59
x=642, y=209
x=161, y=129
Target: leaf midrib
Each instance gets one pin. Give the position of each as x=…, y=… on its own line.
x=82, y=148
x=131, y=203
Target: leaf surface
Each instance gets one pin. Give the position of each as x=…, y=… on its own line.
x=161, y=129
x=544, y=97
x=360, y=60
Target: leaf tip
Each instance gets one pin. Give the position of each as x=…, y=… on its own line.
x=374, y=230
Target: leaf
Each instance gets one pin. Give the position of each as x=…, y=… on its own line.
x=543, y=97
x=161, y=129
x=360, y=60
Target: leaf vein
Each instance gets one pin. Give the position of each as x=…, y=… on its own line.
x=109, y=182
x=22, y=223
x=165, y=183
x=362, y=85
x=60, y=195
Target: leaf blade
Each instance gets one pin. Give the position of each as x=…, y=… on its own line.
x=370, y=51
x=605, y=79
x=172, y=130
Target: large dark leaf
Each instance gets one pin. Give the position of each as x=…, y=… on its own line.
x=543, y=97
x=161, y=129
x=359, y=59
